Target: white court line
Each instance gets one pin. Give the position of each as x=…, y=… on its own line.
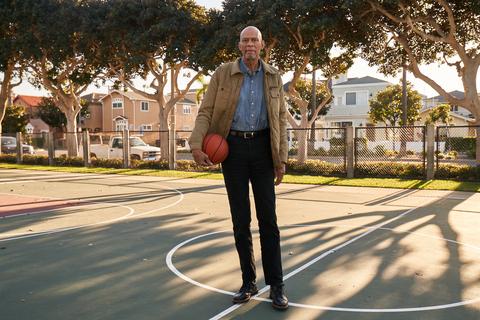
x=16, y=181
x=131, y=214
x=317, y=307
x=292, y=273
x=308, y=264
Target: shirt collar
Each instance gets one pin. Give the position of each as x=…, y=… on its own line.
x=245, y=69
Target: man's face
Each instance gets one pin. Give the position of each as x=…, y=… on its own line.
x=250, y=44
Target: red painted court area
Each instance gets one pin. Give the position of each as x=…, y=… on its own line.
x=11, y=205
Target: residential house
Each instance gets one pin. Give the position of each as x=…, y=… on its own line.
x=350, y=105
x=130, y=110
x=459, y=116
x=30, y=103
x=435, y=101
x=93, y=120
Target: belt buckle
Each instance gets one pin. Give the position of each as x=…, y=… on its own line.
x=248, y=135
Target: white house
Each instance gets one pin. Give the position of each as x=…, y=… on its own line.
x=350, y=105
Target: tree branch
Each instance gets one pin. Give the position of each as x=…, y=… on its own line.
x=451, y=18
x=414, y=68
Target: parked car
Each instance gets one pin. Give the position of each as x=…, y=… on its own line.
x=9, y=145
x=113, y=148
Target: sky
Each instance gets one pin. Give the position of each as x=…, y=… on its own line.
x=444, y=75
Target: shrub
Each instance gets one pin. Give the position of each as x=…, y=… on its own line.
x=315, y=167
x=63, y=160
x=458, y=172
x=107, y=163
x=35, y=160
x=389, y=169
x=380, y=150
x=8, y=158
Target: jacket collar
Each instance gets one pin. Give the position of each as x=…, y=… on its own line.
x=265, y=66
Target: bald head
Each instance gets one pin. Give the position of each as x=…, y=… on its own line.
x=250, y=45
x=249, y=30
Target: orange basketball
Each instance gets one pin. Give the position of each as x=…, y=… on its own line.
x=216, y=147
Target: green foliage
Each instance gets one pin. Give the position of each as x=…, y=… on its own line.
x=68, y=161
x=440, y=113
x=304, y=88
x=107, y=163
x=386, y=106
x=458, y=172
x=8, y=158
x=390, y=169
x=35, y=160
x=51, y=114
x=315, y=167
x=15, y=119
x=461, y=144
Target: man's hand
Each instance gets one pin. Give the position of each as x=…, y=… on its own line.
x=201, y=158
x=279, y=173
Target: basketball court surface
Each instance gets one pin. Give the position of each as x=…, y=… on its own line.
x=85, y=246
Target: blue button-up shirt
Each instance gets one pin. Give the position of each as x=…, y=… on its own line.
x=251, y=112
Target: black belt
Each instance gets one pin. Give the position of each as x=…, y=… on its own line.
x=249, y=134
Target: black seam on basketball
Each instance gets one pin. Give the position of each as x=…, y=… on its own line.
x=213, y=156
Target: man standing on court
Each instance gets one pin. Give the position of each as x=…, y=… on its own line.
x=244, y=103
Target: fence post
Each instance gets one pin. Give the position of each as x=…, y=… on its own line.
x=51, y=149
x=126, y=148
x=19, y=148
x=86, y=148
x=349, y=151
x=430, y=151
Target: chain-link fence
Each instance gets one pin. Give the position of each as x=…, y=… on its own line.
x=319, y=151
x=369, y=152
x=456, y=145
x=390, y=151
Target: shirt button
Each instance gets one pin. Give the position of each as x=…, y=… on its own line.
x=251, y=115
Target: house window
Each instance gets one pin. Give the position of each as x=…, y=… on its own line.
x=454, y=108
x=117, y=103
x=351, y=98
x=121, y=125
x=146, y=127
x=187, y=109
x=144, y=106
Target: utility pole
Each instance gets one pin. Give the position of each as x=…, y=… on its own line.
x=404, y=131
x=313, y=105
x=172, y=154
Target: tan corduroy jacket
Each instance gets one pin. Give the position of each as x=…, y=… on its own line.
x=220, y=101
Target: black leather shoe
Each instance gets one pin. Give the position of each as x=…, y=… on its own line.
x=245, y=293
x=279, y=299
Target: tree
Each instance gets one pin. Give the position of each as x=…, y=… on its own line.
x=10, y=57
x=300, y=37
x=386, y=107
x=423, y=32
x=440, y=113
x=157, y=41
x=51, y=114
x=15, y=119
x=67, y=61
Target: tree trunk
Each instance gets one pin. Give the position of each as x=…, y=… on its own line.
x=163, y=122
x=72, y=142
x=477, y=143
x=302, y=145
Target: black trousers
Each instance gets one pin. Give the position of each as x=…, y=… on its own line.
x=250, y=161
